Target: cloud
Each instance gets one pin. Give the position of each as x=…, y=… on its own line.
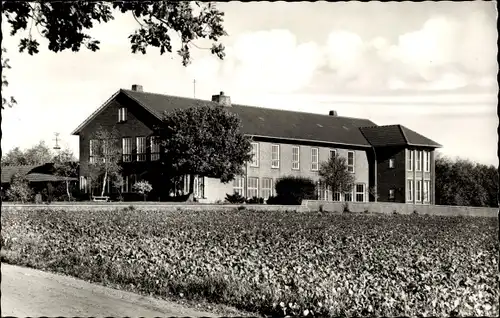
x=272, y=61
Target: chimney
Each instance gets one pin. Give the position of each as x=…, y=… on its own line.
x=332, y=113
x=137, y=88
x=222, y=99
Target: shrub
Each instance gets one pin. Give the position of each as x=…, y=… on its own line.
x=19, y=190
x=255, y=200
x=293, y=189
x=142, y=187
x=345, y=207
x=235, y=198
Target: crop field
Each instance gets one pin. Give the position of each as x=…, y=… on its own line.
x=272, y=263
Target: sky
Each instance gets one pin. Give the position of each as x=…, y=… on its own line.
x=430, y=66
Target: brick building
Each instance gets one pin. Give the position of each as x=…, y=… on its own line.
x=395, y=159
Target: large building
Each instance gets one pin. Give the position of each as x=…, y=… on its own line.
x=395, y=160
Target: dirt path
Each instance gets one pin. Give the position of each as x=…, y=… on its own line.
x=29, y=292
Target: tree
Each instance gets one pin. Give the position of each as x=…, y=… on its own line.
x=106, y=156
x=465, y=183
x=334, y=174
x=6, y=101
x=36, y=155
x=19, y=189
x=64, y=25
x=203, y=140
x=142, y=187
x=66, y=165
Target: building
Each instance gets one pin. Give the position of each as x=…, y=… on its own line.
x=395, y=159
x=37, y=176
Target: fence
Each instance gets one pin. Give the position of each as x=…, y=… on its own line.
x=307, y=205
x=400, y=208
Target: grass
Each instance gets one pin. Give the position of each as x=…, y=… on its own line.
x=272, y=263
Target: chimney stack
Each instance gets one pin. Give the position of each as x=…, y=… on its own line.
x=332, y=113
x=137, y=88
x=222, y=99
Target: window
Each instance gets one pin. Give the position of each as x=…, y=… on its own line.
x=409, y=157
x=391, y=194
x=321, y=188
x=83, y=184
x=141, y=148
x=253, y=187
x=350, y=161
x=360, y=192
x=418, y=194
x=409, y=189
x=314, y=159
x=348, y=196
x=333, y=153
x=275, y=156
x=418, y=161
x=427, y=161
x=255, y=155
x=93, y=150
x=155, y=148
x=336, y=197
x=122, y=114
x=238, y=185
x=128, y=183
x=199, y=187
x=267, y=188
x=426, y=190
x=127, y=149
x=295, y=158
x=391, y=163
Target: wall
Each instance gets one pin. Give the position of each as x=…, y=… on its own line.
x=216, y=190
x=148, y=206
x=402, y=208
x=134, y=126
x=264, y=170
x=391, y=178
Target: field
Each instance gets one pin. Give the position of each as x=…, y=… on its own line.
x=272, y=263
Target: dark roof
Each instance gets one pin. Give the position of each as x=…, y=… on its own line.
x=396, y=135
x=9, y=171
x=43, y=177
x=33, y=173
x=266, y=122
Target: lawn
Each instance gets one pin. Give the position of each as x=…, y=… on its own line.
x=272, y=263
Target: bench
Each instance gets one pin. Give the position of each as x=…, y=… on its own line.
x=100, y=199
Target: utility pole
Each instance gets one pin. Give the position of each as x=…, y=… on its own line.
x=194, y=88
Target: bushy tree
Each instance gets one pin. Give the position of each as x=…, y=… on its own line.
x=203, y=140
x=107, y=156
x=142, y=187
x=334, y=174
x=66, y=166
x=39, y=154
x=19, y=189
x=465, y=183
x=292, y=190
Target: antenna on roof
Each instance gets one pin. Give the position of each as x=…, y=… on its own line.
x=194, y=88
x=56, y=147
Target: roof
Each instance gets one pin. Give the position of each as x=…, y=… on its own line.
x=396, y=135
x=267, y=122
x=9, y=171
x=31, y=174
x=43, y=177
x=284, y=124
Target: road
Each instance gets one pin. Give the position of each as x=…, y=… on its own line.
x=29, y=292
